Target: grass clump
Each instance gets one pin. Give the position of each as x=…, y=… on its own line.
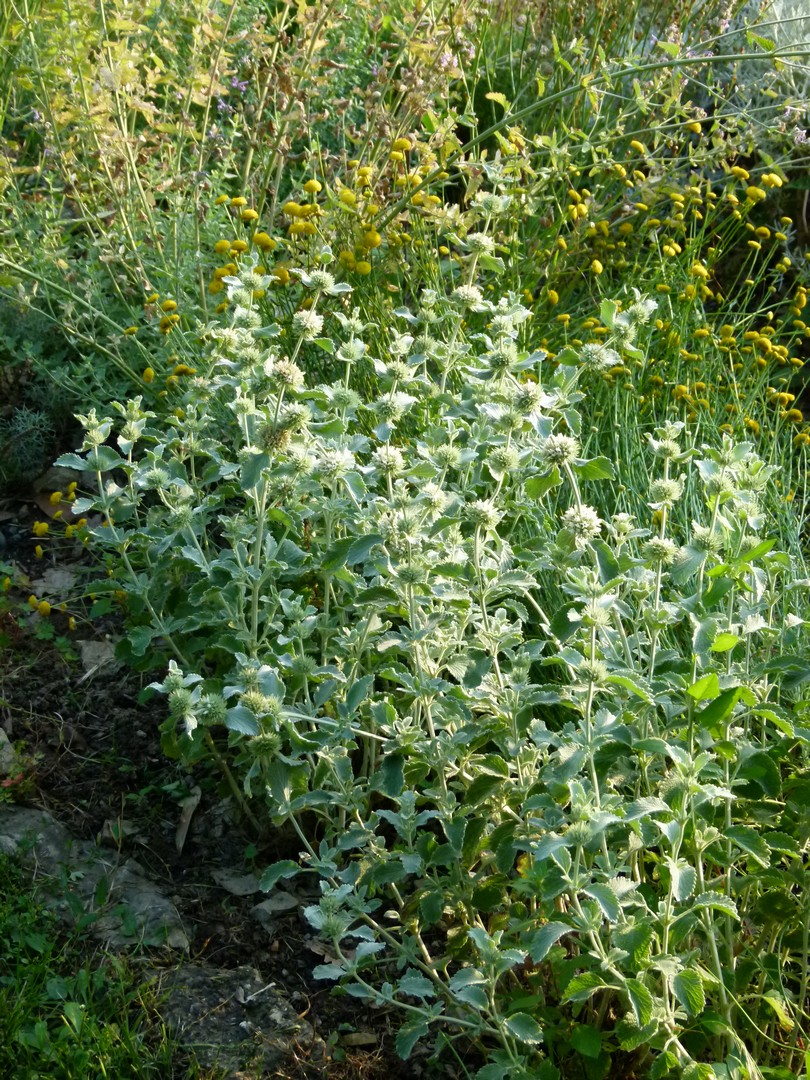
x=66, y=1014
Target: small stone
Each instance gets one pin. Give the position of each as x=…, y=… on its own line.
x=237, y=884
x=280, y=902
x=9, y=762
x=359, y=1038
x=267, y=913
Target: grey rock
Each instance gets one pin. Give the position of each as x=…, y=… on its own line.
x=232, y=1020
x=78, y=877
x=237, y=884
x=41, y=842
x=9, y=762
x=267, y=912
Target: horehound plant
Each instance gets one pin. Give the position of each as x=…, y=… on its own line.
x=555, y=841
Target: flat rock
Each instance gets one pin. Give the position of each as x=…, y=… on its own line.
x=141, y=914
x=77, y=877
x=232, y=1020
x=267, y=912
x=9, y=762
x=32, y=834
x=96, y=655
x=237, y=884
x=56, y=580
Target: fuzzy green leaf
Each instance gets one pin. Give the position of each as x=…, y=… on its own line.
x=641, y=1000
x=705, y=689
x=545, y=938
x=584, y=986
x=587, y=1040
x=687, y=986
x=749, y=841
x=408, y=1036
x=522, y=1027
x=276, y=872
x=606, y=899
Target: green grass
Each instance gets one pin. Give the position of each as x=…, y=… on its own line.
x=67, y=1010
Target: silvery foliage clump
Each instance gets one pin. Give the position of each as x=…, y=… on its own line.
x=532, y=827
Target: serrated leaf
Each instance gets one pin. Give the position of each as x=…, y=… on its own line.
x=328, y=972
x=690, y=560
x=749, y=841
x=495, y=1071
x=687, y=986
x=545, y=938
x=783, y=843
x=392, y=772
x=763, y=42
x=362, y=547
x=586, y=1040
x=670, y=48
x=722, y=706
x=467, y=976
x=408, y=1036
x=599, y=468
x=609, y=568
x=780, y=1008
x=631, y=683
x=636, y=940
x=537, y=486
x=641, y=1001
x=584, y=986
x=645, y=806
x=682, y=878
x=358, y=693
x=631, y=1036
x=337, y=555
x=277, y=871
x=480, y=789
x=475, y=996
x=415, y=984
x=705, y=689
x=73, y=461
x=725, y=642
x=607, y=312
x=606, y=899
x=716, y=901
x=524, y=1028
x=241, y=720
x=251, y=472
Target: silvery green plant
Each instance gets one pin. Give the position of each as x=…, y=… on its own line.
x=562, y=836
